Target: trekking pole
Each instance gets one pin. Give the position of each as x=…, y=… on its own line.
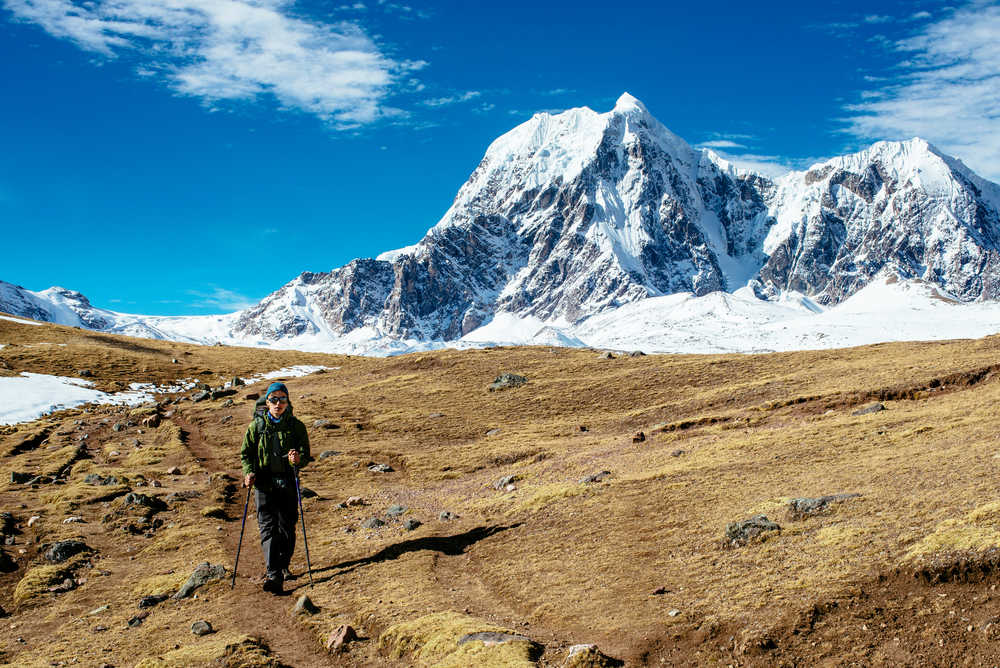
x=239, y=546
x=302, y=514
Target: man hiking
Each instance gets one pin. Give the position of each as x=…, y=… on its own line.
x=274, y=446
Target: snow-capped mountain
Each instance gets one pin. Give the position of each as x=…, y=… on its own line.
x=902, y=205
x=571, y=218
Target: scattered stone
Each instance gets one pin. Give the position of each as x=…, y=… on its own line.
x=637, y=353
x=595, y=477
x=216, y=512
x=380, y=468
x=33, y=519
x=355, y=501
x=174, y=360
x=64, y=549
x=228, y=403
x=447, y=516
x=493, y=432
x=589, y=656
x=329, y=453
x=323, y=423
x=804, y=507
x=506, y=381
x=97, y=611
x=114, y=453
x=118, y=426
x=304, y=606
x=75, y=519
x=873, y=408
x=395, y=511
x=137, y=621
x=253, y=396
x=85, y=373
x=236, y=382
x=583, y=427
x=156, y=483
x=150, y=601
x=18, y=478
x=66, y=585
x=183, y=495
x=202, y=575
x=506, y=481
x=201, y=628
x=343, y=635
x=97, y=479
x=411, y=524
x=436, y=415
x=744, y=531
x=372, y=523
x=674, y=612
x=201, y=396
x=308, y=493
x=660, y=591
x=174, y=470
x=677, y=453
x=151, y=502
x=491, y=638
x=639, y=437
x=607, y=356
x=218, y=394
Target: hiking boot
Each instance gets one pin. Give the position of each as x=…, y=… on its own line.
x=272, y=585
x=287, y=574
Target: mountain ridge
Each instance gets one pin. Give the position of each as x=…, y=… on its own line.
x=573, y=215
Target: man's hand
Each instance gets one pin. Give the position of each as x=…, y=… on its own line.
x=293, y=457
x=248, y=480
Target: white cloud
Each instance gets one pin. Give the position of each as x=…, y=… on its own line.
x=771, y=166
x=721, y=143
x=877, y=18
x=234, y=50
x=220, y=298
x=451, y=99
x=947, y=90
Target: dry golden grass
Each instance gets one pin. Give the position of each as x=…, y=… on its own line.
x=726, y=437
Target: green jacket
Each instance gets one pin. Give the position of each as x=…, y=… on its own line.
x=266, y=445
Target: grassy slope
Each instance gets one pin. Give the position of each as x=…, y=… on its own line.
x=554, y=559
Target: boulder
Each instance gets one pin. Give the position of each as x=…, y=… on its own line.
x=329, y=453
x=150, y=601
x=589, y=656
x=804, y=507
x=873, y=408
x=304, y=606
x=201, y=628
x=380, y=468
x=411, y=524
x=742, y=532
x=595, y=477
x=201, y=396
x=395, y=511
x=64, y=549
x=203, y=574
x=372, y=523
x=343, y=635
x=506, y=381
x=323, y=423
x=447, y=516
x=505, y=482
x=133, y=499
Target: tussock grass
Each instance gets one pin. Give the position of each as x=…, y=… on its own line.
x=432, y=640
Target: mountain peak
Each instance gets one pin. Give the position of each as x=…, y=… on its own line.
x=628, y=103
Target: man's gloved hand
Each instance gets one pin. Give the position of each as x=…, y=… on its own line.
x=294, y=457
x=248, y=480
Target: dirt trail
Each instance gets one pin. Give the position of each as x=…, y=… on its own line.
x=254, y=611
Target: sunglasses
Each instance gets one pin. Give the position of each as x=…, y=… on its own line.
x=277, y=400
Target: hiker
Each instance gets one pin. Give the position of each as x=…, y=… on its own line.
x=274, y=446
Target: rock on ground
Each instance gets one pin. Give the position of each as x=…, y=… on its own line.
x=744, y=531
x=203, y=574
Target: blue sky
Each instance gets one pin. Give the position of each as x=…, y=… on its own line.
x=191, y=156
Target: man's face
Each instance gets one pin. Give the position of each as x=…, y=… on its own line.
x=277, y=403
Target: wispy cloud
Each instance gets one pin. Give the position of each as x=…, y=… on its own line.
x=451, y=99
x=220, y=298
x=721, y=143
x=234, y=50
x=947, y=89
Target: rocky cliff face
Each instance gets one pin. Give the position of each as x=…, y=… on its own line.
x=898, y=205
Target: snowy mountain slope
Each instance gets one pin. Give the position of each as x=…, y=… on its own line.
x=897, y=205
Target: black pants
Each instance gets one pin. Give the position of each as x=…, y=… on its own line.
x=277, y=513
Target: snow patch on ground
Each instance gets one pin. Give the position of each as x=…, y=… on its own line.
x=19, y=321
x=32, y=395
